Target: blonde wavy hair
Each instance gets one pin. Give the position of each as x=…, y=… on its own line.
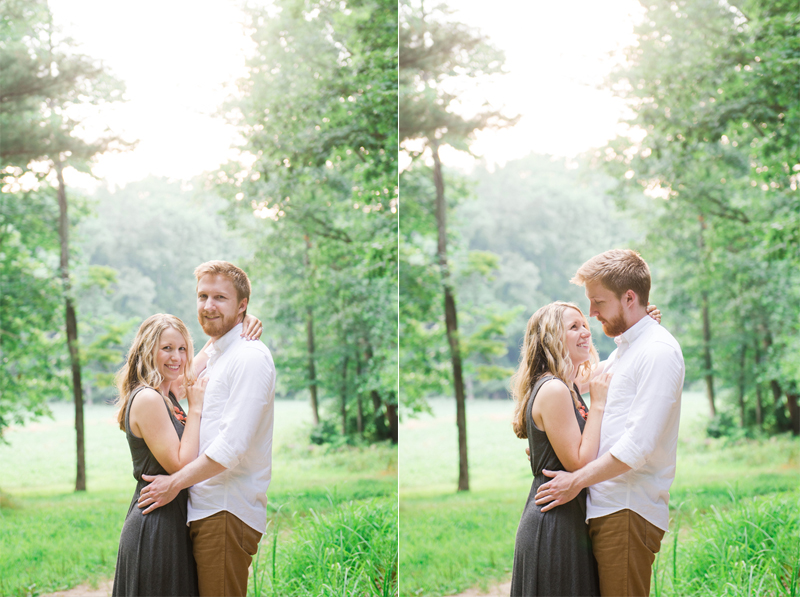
x=140, y=367
x=544, y=353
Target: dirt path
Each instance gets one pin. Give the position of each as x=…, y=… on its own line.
x=503, y=590
x=103, y=590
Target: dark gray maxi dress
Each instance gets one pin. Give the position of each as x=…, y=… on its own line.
x=553, y=555
x=155, y=551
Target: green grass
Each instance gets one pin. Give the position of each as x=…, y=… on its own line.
x=50, y=543
x=349, y=550
x=52, y=538
x=748, y=547
x=452, y=541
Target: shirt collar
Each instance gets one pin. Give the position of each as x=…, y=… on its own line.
x=636, y=330
x=225, y=341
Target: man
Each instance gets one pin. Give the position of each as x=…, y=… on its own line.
x=629, y=481
x=227, y=511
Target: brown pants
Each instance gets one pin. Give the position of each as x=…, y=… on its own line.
x=223, y=547
x=625, y=546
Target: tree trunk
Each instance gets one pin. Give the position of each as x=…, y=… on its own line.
x=741, y=384
x=382, y=420
x=759, y=407
x=709, y=375
x=794, y=413
x=312, y=370
x=451, y=322
x=344, y=394
x=759, y=399
x=391, y=414
x=72, y=328
x=359, y=405
x=776, y=391
x=781, y=422
x=707, y=363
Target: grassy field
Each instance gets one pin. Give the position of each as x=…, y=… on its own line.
x=52, y=538
x=735, y=507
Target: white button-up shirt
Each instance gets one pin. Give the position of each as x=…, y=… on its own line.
x=640, y=423
x=236, y=430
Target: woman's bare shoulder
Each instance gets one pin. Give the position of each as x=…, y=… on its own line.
x=145, y=398
x=553, y=389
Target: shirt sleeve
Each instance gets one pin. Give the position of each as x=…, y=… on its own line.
x=658, y=390
x=252, y=391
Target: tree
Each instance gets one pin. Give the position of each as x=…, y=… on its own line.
x=715, y=88
x=32, y=364
x=318, y=112
x=126, y=270
x=541, y=217
x=44, y=80
x=433, y=49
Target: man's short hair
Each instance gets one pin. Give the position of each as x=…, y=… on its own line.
x=224, y=268
x=619, y=270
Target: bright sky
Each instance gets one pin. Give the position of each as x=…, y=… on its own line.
x=557, y=54
x=179, y=60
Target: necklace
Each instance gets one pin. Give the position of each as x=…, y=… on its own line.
x=182, y=417
x=583, y=412
x=176, y=408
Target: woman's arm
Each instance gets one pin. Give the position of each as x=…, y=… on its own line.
x=200, y=360
x=251, y=327
x=150, y=420
x=554, y=413
x=583, y=386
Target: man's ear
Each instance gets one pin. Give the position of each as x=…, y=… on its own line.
x=630, y=298
x=242, y=306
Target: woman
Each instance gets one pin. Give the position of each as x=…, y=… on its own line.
x=553, y=555
x=155, y=551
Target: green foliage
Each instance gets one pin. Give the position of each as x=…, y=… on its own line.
x=482, y=328
x=318, y=205
x=512, y=258
x=46, y=87
x=436, y=54
x=722, y=425
x=31, y=359
x=542, y=218
x=716, y=89
x=137, y=262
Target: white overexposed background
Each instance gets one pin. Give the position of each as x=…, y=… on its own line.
x=557, y=55
x=179, y=60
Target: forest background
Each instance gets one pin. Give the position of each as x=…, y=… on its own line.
x=701, y=179
x=306, y=203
